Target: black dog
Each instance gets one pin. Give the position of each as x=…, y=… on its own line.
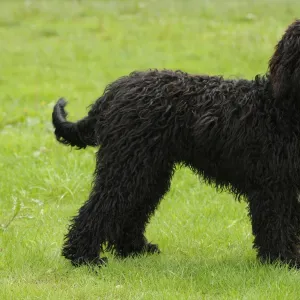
x=239, y=135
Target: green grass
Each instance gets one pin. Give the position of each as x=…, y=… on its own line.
x=73, y=49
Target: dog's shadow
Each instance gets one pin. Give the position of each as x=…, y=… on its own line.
x=202, y=270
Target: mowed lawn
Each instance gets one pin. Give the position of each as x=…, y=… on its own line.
x=50, y=49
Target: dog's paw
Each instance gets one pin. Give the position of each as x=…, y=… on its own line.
x=152, y=248
x=147, y=248
x=90, y=262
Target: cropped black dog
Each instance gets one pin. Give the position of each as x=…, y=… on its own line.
x=239, y=135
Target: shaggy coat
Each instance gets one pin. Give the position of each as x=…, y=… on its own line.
x=240, y=135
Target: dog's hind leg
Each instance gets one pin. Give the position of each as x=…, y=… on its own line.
x=147, y=193
x=85, y=237
x=275, y=215
x=90, y=229
x=140, y=176
x=125, y=193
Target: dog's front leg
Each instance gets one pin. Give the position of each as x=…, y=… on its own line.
x=275, y=215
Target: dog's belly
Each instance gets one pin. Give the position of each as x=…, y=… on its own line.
x=223, y=172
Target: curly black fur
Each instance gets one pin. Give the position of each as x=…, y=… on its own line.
x=239, y=135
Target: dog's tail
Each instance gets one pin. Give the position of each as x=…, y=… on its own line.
x=79, y=134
